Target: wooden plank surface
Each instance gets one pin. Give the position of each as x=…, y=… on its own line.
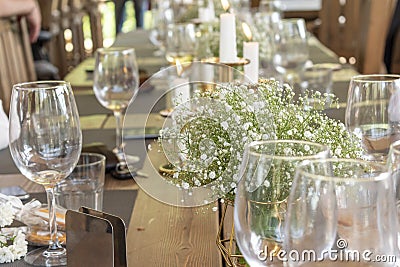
x=163, y=235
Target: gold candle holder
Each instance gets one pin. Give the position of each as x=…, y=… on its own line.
x=227, y=74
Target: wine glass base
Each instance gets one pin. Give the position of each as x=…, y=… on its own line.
x=46, y=257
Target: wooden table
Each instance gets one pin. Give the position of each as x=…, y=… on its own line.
x=160, y=234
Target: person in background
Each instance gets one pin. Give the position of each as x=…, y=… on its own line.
x=140, y=8
x=26, y=8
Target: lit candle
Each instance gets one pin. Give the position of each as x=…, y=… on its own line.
x=227, y=38
x=250, y=51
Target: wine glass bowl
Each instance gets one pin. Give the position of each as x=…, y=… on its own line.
x=45, y=144
x=116, y=83
x=266, y=177
x=373, y=113
x=290, y=47
x=180, y=43
x=342, y=205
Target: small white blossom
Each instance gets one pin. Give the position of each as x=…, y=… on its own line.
x=6, y=255
x=224, y=125
x=6, y=214
x=212, y=175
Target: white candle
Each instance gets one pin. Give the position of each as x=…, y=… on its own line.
x=250, y=51
x=227, y=38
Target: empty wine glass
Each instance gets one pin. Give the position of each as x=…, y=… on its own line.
x=290, y=48
x=116, y=83
x=341, y=212
x=373, y=113
x=260, y=205
x=45, y=144
x=162, y=15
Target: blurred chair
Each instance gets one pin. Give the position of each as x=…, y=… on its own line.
x=16, y=60
x=356, y=29
x=64, y=20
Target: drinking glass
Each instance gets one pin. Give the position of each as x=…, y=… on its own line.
x=180, y=43
x=290, y=48
x=266, y=177
x=116, y=83
x=45, y=144
x=373, y=113
x=341, y=212
x=162, y=15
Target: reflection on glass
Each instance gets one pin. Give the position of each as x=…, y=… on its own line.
x=373, y=113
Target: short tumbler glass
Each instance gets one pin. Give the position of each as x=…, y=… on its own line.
x=84, y=186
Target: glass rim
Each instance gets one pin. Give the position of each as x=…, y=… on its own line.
x=114, y=49
x=375, y=78
x=100, y=158
x=43, y=85
x=380, y=176
x=324, y=148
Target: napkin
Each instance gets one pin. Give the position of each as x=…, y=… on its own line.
x=3, y=128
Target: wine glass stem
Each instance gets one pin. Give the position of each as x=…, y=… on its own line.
x=118, y=130
x=54, y=243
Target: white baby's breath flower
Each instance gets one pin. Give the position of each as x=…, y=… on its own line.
x=6, y=214
x=6, y=255
x=308, y=134
x=224, y=125
x=248, y=113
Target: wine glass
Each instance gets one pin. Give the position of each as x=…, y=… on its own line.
x=266, y=177
x=341, y=212
x=290, y=48
x=116, y=83
x=180, y=43
x=373, y=113
x=162, y=15
x=45, y=144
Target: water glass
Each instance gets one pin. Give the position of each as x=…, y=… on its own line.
x=266, y=176
x=84, y=186
x=341, y=212
x=373, y=113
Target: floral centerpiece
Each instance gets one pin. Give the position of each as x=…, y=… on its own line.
x=13, y=245
x=211, y=145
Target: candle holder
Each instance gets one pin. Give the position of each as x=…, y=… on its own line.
x=227, y=74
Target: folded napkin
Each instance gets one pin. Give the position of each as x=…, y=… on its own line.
x=4, y=139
